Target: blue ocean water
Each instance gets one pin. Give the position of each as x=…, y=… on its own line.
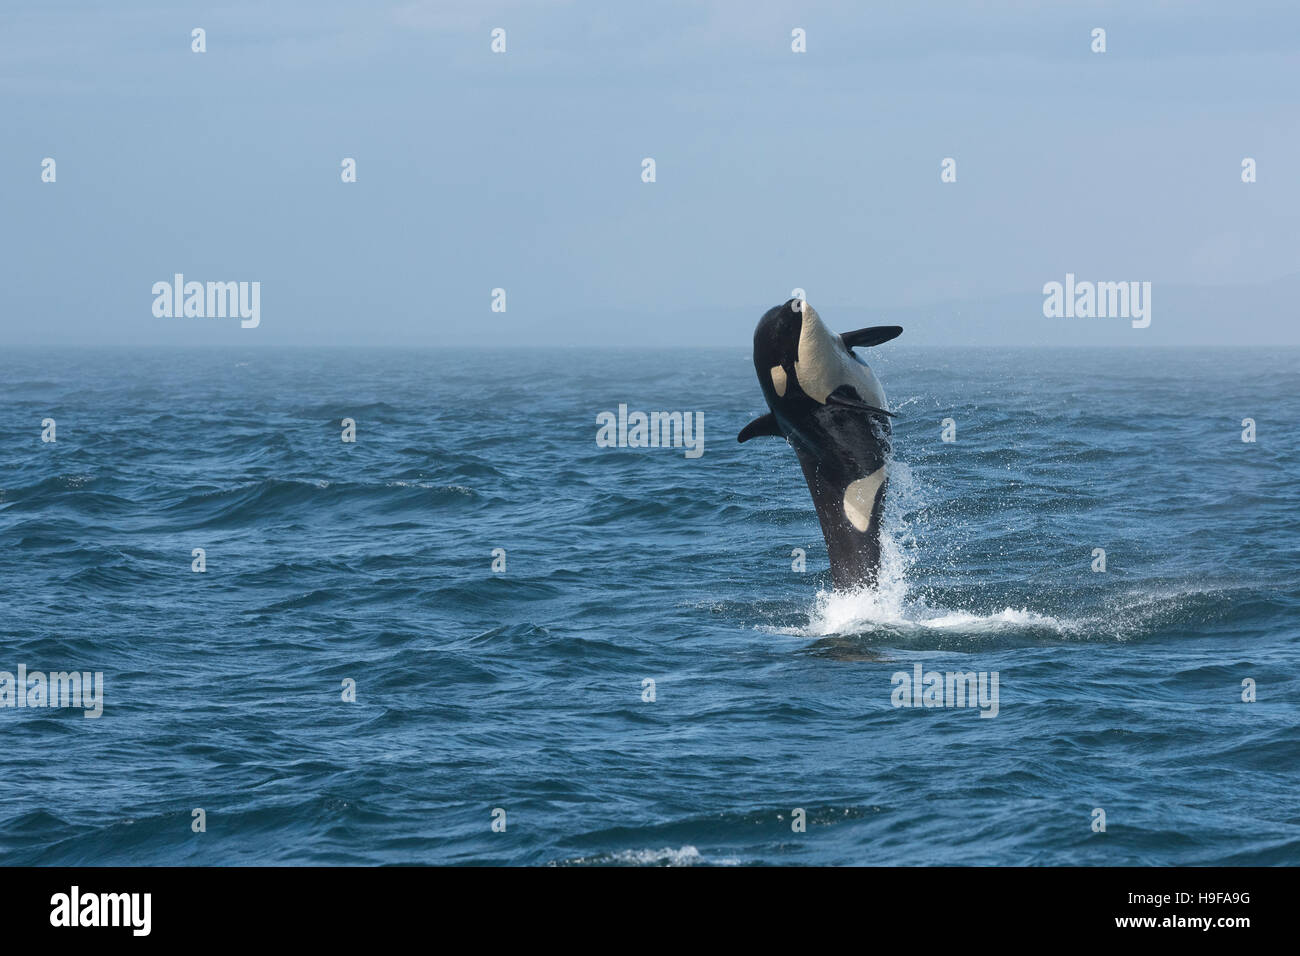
x=523, y=690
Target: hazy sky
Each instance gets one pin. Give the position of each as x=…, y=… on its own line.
x=522, y=170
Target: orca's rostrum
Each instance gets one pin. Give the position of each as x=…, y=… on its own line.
x=825, y=401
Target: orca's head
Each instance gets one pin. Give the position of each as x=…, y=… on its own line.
x=776, y=339
x=776, y=348
x=782, y=334
x=801, y=363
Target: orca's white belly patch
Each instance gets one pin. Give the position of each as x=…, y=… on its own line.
x=823, y=365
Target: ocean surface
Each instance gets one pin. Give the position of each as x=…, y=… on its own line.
x=524, y=690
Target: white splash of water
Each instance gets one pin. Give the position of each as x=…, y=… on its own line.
x=853, y=612
x=667, y=856
x=889, y=604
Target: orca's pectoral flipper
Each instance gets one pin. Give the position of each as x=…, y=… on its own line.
x=761, y=426
x=865, y=338
x=848, y=398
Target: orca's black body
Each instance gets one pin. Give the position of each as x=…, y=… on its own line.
x=826, y=402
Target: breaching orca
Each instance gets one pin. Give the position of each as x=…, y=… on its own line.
x=827, y=404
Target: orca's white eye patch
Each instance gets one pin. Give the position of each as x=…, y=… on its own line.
x=860, y=498
x=778, y=380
